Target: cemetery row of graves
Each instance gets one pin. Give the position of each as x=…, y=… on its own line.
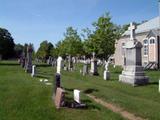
x=61, y=88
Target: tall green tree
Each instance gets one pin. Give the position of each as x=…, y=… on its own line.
x=102, y=39
x=18, y=50
x=6, y=44
x=45, y=50
x=71, y=44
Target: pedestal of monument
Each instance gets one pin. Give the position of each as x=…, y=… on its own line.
x=133, y=72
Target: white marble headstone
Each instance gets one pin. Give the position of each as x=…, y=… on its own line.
x=33, y=70
x=77, y=96
x=59, y=65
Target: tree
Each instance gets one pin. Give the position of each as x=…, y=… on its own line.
x=6, y=44
x=71, y=45
x=45, y=50
x=102, y=39
x=18, y=50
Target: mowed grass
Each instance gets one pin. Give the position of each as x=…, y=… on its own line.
x=25, y=98
x=143, y=101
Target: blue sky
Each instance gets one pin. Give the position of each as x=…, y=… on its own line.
x=32, y=21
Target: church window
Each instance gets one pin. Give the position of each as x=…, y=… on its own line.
x=152, y=41
x=145, y=45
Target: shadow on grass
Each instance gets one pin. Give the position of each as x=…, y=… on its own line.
x=9, y=64
x=153, y=83
x=90, y=90
x=40, y=76
x=43, y=65
x=45, y=73
x=67, y=89
x=89, y=105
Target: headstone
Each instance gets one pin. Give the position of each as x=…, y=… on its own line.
x=59, y=98
x=85, y=68
x=29, y=59
x=159, y=85
x=133, y=72
x=77, y=96
x=94, y=70
x=77, y=101
x=57, y=82
x=70, y=65
x=33, y=71
x=49, y=61
x=65, y=67
x=59, y=65
x=23, y=62
x=106, y=72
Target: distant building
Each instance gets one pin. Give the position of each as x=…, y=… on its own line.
x=147, y=34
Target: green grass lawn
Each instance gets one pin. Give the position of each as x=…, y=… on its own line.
x=25, y=98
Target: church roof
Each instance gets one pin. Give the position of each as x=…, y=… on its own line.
x=147, y=26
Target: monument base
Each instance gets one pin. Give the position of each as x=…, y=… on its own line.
x=106, y=75
x=134, y=79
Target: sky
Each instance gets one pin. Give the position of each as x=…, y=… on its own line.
x=32, y=21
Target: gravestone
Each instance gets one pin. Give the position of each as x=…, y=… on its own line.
x=59, y=64
x=85, y=68
x=29, y=59
x=49, y=60
x=133, y=72
x=59, y=98
x=33, y=70
x=77, y=101
x=106, y=72
x=23, y=62
x=94, y=70
x=77, y=96
x=70, y=64
x=57, y=81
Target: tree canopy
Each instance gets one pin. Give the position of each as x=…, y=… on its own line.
x=71, y=44
x=45, y=50
x=18, y=50
x=6, y=44
x=102, y=39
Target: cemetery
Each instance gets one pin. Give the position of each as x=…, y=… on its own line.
x=106, y=72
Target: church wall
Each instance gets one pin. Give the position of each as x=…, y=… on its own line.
x=119, y=56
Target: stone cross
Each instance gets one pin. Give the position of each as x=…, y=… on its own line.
x=132, y=29
x=59, y=65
